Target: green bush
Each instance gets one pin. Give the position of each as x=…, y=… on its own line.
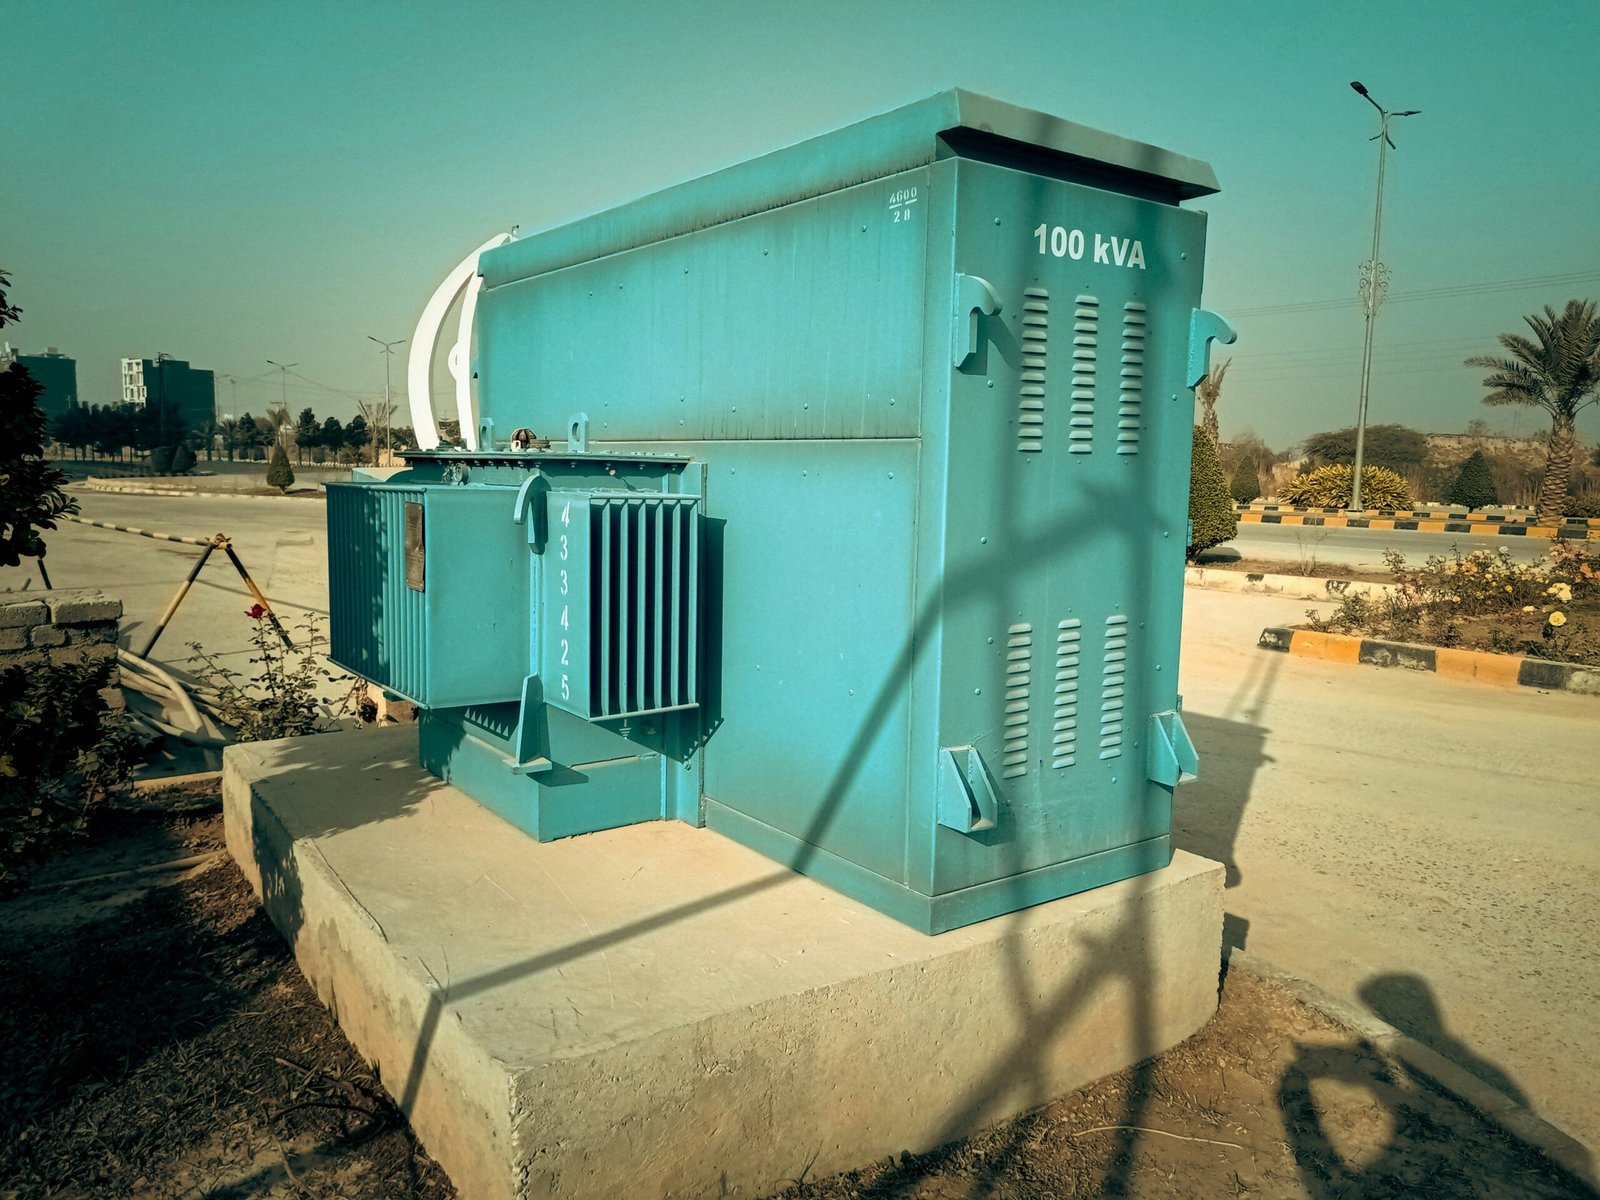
x=1583, y=506
x=280, y=474
x=1474, y=484
x=1211, y=516
x=1538, y=609
x=182, y=460
x=1246, y=483
x=282, y=699
x=1329, y=487
x=61, y=753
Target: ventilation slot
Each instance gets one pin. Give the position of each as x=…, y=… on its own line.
x=1035, y=346
x=1130, y=384
x=1085, y=347
x=643, y=567
x=1113, y=685
x=1064, y=726
x=1019, y=689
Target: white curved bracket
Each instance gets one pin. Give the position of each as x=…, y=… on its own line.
x=419, y=366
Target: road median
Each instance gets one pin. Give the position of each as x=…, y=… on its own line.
x=1477, y=666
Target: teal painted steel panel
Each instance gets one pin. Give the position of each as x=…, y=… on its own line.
x=1067, y=486
x=800, y=323
x=462, y=637
x=813, y=640
x=947, y=124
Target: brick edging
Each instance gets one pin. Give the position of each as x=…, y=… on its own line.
x=1478, y=665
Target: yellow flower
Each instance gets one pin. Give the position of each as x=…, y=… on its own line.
x=1527, y=608
x=1561, y=591
x=1508, y=587
x=1558, y=618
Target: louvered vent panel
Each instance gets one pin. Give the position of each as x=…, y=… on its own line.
x=379, y=625
x=642, y=604
x=1064, y=725
x=1035, y=350
x=1130, y=382
x=1113, y=685
x=1085, y=350
x=1019, y=688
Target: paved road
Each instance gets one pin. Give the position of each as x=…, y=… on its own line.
x=281, y=540
x=1365, y=547
x=1423, y=847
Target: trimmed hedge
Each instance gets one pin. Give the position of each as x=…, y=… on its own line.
x=1211, y=517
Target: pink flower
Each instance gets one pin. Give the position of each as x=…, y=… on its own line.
x=255, y=612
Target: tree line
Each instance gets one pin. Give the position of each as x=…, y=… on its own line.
x=159, y=432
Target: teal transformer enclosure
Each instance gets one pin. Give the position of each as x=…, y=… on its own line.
x=860, y=534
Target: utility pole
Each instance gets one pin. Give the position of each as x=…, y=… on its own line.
x=1374, y=282
x=388, y=411
x=283, y=376
x=227, y=438
x=161, y=402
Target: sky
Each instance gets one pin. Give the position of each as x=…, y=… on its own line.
x=232, y=183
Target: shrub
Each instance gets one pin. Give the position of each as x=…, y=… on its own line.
x=1474, y=484
x=182, y=460
x=1329, y=487
x=282, y=699
x=1211, y=517
x=1539, y=609
x=61, y=753
x=1583, y=506
x=280, y=474
x=1246, y=483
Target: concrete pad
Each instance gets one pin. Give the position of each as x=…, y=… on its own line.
x=656, y=1011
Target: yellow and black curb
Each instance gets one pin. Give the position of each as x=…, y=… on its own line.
x=1476, y=665
x=1422, y=521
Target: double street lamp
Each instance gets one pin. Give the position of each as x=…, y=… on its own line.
x=1374, y=282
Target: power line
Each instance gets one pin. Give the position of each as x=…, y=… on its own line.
x=1446, y=292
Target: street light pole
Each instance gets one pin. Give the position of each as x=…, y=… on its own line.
x=1374, y=282
x=283, y=375
x=388, y=412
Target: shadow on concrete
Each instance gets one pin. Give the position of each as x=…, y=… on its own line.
x=1395, y=1141
x=1408, y=1003
x=1232, y=747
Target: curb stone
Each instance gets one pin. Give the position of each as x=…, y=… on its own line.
x=1478, y=665
x=1572, y=530
x=1571, y=1155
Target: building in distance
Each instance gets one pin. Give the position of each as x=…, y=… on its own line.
x=57, y=373
x=188, y=391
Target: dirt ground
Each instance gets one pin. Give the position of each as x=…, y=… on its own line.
x=156, y=1040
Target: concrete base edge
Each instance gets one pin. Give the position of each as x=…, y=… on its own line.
x=1565, y=1151
x=657, y=1011
x=1479, y=666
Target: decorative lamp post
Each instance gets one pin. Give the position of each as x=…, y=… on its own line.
x=1374, y=282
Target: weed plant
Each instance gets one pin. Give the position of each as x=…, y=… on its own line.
x=283, y=695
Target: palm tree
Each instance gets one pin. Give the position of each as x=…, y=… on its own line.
x=279, y=420
x=378, y=414
x=1207, y=391
x=1559, y=373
